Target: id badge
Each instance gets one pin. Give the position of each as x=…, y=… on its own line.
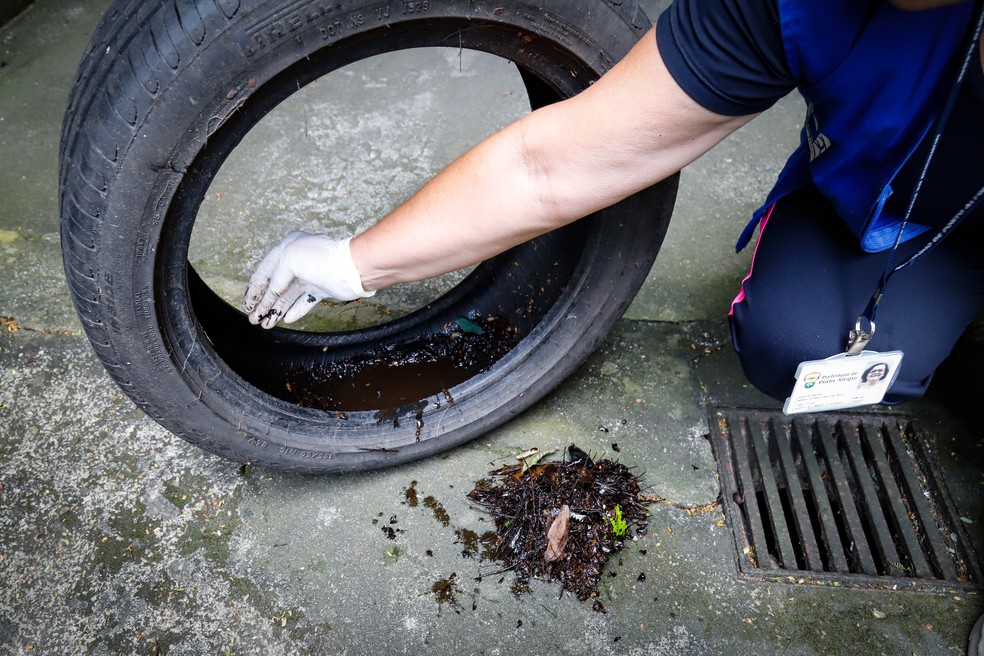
x=843, y=381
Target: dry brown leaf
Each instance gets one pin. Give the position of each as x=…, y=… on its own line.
x=9, y=324
x=557, y=535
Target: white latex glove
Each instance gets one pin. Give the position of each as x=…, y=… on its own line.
x=299, y=272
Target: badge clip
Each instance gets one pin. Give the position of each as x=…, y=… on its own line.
x=858, y=338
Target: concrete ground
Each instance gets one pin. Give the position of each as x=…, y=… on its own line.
x=118, y=538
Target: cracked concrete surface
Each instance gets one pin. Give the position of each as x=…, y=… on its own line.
x=118, y=538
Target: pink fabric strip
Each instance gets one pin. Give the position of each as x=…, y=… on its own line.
x=741, y=292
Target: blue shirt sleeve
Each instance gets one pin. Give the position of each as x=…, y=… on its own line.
x=726, y=54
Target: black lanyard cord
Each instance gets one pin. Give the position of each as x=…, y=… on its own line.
x=938, y=237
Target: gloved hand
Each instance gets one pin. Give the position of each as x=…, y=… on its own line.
x=299, y=272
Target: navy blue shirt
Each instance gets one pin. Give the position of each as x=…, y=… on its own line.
x=728, y=56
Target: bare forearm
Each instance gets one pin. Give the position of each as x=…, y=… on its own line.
x=481, y=205
x=631, y=129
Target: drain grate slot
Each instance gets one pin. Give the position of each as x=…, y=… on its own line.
x=841, y=498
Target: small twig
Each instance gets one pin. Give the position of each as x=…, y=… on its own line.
x=501, y=571
x=701, y=509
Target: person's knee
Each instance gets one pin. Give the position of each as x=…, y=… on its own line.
x=764, y=365
x=769, y=355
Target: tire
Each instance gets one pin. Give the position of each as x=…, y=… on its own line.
x=137, y=157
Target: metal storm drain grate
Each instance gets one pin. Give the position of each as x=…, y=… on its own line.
x=838, y=500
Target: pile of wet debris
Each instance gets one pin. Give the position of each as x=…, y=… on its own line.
x=561, y=520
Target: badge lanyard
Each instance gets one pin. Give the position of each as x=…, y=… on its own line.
x=864, y=328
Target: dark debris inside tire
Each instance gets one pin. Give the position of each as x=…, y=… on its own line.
x=396, y=374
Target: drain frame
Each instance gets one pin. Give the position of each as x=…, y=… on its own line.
x=852, y=500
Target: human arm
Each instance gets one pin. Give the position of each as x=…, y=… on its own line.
x=632, y=128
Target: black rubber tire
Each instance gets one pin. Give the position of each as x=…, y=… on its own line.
x=136, y=157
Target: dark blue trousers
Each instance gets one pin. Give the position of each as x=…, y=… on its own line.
x=810, y=280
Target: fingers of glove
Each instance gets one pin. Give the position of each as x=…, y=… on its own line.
x=259, y=283
x=260, y=279
x=283, y=303
x=254, y=292
x=303, y=305
x=278, y=285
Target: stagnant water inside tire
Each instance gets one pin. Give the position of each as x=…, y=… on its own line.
x=422, y=358
x=395, y=375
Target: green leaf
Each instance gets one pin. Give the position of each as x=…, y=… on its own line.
x=469, y=327
x=618, y=524
x=966, y=520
